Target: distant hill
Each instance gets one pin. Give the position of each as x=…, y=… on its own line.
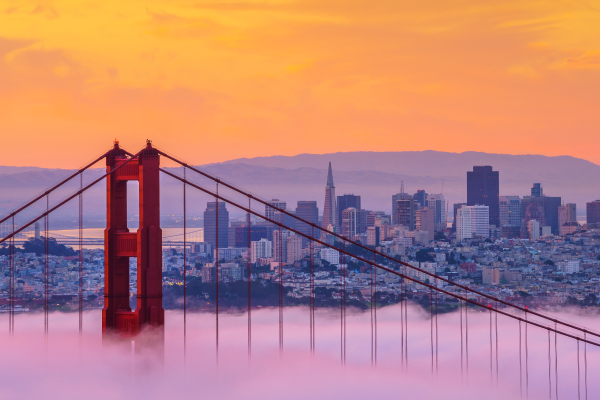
x=375, y=176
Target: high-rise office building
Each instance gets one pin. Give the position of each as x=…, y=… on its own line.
x=464, y=223
x=592, y=210
x=405, y=213
x=344, y=202
x=329, y=209
x=395, y=198
x=510, y=216
x=549, y=205
x=537, y=190
x=421, y=197
x=307, y=211
x=483, y=188
x=270, y=211
x=210, y=224
x=437, y=203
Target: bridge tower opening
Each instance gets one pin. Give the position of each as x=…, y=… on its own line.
x=120, y=244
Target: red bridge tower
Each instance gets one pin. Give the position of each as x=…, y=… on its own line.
x=120, y=244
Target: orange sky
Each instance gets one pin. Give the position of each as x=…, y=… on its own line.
x=211, y=80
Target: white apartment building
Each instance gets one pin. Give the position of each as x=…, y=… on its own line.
x=569, y=267
x=472, y=221
x=261, y=249
x=533, y=228
x=294, y=249
x=332, y=256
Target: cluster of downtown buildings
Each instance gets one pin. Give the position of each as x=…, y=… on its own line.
x=503, y=245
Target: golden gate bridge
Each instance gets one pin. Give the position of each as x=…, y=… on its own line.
x=118, y=319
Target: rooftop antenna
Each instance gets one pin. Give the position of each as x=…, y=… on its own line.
x=401, y=186
x=442, y=185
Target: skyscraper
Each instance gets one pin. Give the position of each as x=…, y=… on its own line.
x=329, y=209
x=210, y=224
x=405, y=213
x=537, y=190
x=593, y=214
x=457, y=206
x=308, y=211
x=395, y=198
x=483, y=188
x=346, y=201
x=270, y=211
x=421, y=197
x=437, y=204
x=510, y=216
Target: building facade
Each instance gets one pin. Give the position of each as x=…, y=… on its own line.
x=483, y=188
x=330, y=206
x=210, y=224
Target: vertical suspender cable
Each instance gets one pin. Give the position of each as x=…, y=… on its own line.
x=555, y=361
x=11, y=278
x=431, y=324
x=526, y=359
x=184, y=267
x=280, y=284
x=585, y=362
x=375, y=305
x=342, y=306
x=46, y=266
x=249, y=274
x=467, y=333
x=372, y=328
x=405, y=320
x=311, y=308
x=520, y=363
x=491, y=353
x=578, y=374
x=461, y=337
x=217, y=269
x=402, y=321
x=80, y=257
x=549, y=369
x=496, y=324
x=345, y=271
x=436, y=328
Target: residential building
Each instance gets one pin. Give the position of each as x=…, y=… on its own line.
x=568, y=266
x=330, y=255
x=464, y=223
x=472, y=221
x=294, y=249
x=425, y=222
x=280, y=238
x=490, y=276
x=262, y=248
x=456, y=207
x=533, y=229
x=373, y=235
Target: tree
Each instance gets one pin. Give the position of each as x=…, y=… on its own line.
x=423, y=255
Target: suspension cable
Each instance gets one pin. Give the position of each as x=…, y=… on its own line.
x=249, y=274
x=385, y=256
x=466, y=298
